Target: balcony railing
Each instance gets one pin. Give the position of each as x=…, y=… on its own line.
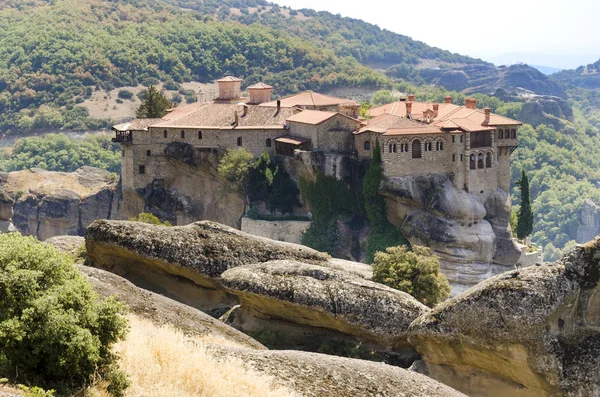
x=123, y=137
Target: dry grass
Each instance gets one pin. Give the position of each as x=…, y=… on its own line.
x=162, y=362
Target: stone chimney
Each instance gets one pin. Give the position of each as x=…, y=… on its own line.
x=237, y=119
x=411, y=98
x=487, y=112
x=245, y=110
x=230, y=89
x=408, y=109
x=278, y=105
x=436, y=108
x=471, y=103
x=448, y=99
x=259, y=93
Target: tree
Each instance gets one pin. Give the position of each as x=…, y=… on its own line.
x=154, y=105
x=415, y=272
x=54, y=329
x=235, y=167
x=382, y=97
x=525, y=218
x=150, y=219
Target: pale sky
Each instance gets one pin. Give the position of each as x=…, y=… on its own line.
x=557, y=33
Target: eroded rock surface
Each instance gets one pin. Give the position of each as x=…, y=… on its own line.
x=184, y=262
x=471, y=240
x=589, y=222
x=528, y=332
x=317, y=298
x=51, y=203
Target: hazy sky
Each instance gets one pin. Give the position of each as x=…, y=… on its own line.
x=559, y=33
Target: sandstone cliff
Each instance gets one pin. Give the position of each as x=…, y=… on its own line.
x=528, y=332
x=51, y=204
x=589, y=222
x=473, y=240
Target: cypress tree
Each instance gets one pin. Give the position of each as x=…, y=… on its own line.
x=154, y=105
x=525, y=218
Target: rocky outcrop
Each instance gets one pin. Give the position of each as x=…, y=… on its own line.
x=6, y=212
x=457, y=227
x=545, y=111
x=184, y=262
x=300, y=301
x=528, y=332
x=320, y=375
x=69, y=244
x=51, y=204
x=589, y=222
x=162, y=310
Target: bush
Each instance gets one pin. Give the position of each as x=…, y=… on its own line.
x=415, y=272
x=54, y=330
x=125, y=94
x=151, y=219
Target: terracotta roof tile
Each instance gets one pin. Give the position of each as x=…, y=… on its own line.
x=259, y=86
x=307, y=98
x=292, y=139
x=229, y=78
x=312, y=117
x=136, y=125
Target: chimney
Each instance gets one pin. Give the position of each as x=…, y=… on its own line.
x=471, y=103
x=408, y=109
x=448, y=99
x=436, y=108
x=237, y=119
x=278, y=105
x=245, y=111
x=487, y=112
x=411, y=98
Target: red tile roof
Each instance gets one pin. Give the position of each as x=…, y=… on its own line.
x=308, y=99
x=229, y=78
x=259, y=86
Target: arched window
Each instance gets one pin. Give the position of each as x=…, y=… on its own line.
x=439, y=145
x=480, y=160
x=488, y=160
x=404, y=147
x=182, y=134
x=392, y=148
x=367, y=145
x=428, y=146
x=416, y=149
x=513, y=134
x=500, y=134
x=239, y=141
x=199, y=134
x=472, y=162
x=165, y=133
x=268, y=142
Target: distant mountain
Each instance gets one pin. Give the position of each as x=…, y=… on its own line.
x=556, y=61
x=587, y=76
x=547, y=70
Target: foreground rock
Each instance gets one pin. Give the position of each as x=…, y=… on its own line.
x=319, y=375
x=529, y=332
x=184, y=262
x=472, y=240
x=51, y=203
x=310, y=304
x=162, y=310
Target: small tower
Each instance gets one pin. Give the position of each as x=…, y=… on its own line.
x=259, y=93
x=230, y=89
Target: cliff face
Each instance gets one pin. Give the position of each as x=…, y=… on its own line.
x=473, y=240
x=46, y=204
x=589, y=222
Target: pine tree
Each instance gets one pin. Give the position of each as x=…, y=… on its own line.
x=154, y=105
x=525, y=219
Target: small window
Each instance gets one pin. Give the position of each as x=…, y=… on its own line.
x=461, y=158
x=453, y=138
x=439, y=145
x=392, y=148
x=367, y=145
x=428, y=146
x=480, y=160
x=199, y=134
x=239, y=141
x=500, y=134
x=142, y=169
x=488, y=160
x=268, y=142
x=148, y=152
x=165, y=134
x=472, y=162
x=404, y=148
x=461, y=139
x=513, y=134
x=182, y=134
x=122, y=153
x=453, y=157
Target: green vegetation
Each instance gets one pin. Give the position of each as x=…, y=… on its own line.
x=151, y=219
x=154, y=105
x=58, y=152
x=415, y=272
x=383, y=233
x=328, y=199
x=525, y=217
x=54, y=330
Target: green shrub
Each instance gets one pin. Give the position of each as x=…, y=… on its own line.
x=415, y=272
x=54, y=330
x=151, y=219
x=125, y=94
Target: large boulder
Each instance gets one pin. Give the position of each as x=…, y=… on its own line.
x=51, y=203
x=320, y=375
x=528, y=332
x=455, y=224
x=302, y=301
x=184, y=262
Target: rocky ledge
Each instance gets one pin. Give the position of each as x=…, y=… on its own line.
x=311, y=304
x=528, y=332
